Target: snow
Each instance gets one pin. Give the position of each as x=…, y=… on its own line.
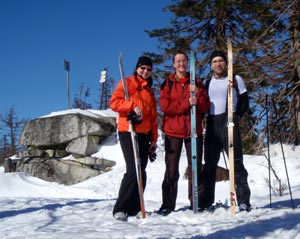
x=89, y=112
x=33, y=208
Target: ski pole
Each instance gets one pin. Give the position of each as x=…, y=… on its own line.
x=268, y=145
x=286, y=171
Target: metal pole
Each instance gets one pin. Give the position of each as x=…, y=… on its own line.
x=67, y=68
x=101, y=97
x=102, y=80
x=68, y=88
x=284, y=161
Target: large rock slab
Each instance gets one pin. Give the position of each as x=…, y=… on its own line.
x=86, y=145
x=59, y=146
x=64, y=128
x=66, y=172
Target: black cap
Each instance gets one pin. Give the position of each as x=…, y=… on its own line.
x=218, y=53
x=143, y=61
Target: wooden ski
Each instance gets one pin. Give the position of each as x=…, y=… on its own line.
x=134, y=143
x=230, y=126
x=194, y=138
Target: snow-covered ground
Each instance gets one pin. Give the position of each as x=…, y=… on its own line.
x=35, y=209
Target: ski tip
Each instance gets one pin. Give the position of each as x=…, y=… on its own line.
x=229, y=42
x=120, y=55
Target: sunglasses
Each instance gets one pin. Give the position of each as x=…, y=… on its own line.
x=145, y=68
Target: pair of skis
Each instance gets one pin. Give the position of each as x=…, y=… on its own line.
x=134, y=143
x=230, y=133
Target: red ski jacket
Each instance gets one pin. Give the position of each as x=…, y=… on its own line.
x=174, y=103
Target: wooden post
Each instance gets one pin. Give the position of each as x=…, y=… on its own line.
x=8, y=166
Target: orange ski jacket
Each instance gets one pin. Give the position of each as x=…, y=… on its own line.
x=141, y=95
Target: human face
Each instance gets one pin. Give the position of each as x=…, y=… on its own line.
x=144, y=71
x=219, y=66
x=180, y=63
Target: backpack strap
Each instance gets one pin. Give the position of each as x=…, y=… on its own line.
x=170, y=83
x=236, y=85
x=207, y=81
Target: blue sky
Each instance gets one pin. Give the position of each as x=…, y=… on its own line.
x=37, y=35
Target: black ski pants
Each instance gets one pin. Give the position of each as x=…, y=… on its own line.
x=173, y=147
x=128, y=200
x=216, y=140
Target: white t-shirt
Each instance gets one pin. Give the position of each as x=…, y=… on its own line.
x=218, y=94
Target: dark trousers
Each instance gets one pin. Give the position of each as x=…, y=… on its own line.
x=173, y=147
x=128, y=200
x=216, y=140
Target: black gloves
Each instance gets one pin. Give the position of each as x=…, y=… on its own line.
x=152, y=156
x=134, y=118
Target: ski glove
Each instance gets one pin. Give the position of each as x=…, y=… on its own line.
x=152, y=156
x=134, y=118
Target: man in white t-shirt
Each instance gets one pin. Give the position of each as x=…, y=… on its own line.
x=216, y=137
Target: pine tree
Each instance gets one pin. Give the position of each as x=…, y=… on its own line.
x=265, y=37
x=278, y=64
x=80, y=102
x=11, y=127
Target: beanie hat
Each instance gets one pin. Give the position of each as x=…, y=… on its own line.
x=218, y=53
x=143, y=60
